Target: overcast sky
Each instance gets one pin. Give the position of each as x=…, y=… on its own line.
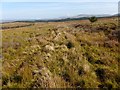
x=59, y=0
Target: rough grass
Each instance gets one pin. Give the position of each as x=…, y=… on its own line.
x=61, y=55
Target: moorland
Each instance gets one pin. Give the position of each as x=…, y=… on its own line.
x=67, y=54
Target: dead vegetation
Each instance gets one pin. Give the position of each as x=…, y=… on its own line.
x=62, y=55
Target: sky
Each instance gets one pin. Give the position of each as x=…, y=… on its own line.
x=59, y=0
x=50, y=9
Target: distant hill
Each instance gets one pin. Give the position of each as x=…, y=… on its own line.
x=87, y=15
x=78, y=17
x=117, y=14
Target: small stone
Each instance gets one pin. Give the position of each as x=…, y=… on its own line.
x=48, y=47
x=86, y=68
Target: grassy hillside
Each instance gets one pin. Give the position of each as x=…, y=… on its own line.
x=61, y=54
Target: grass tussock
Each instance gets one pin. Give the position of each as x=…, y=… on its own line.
x=61, y=55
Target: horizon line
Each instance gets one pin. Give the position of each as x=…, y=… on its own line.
x=57, y=2
x=64, y=17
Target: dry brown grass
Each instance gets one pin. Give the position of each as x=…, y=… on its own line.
x=61, y=55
